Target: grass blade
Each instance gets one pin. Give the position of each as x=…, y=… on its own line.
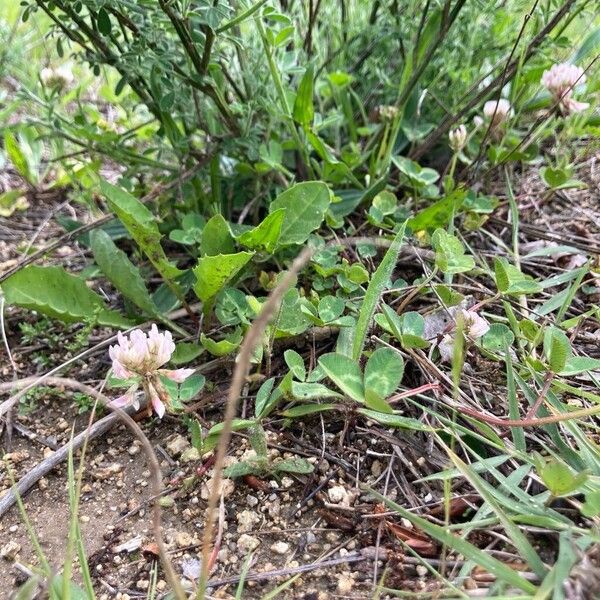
x=471, y=552
x=379, y=280
x=517, y=537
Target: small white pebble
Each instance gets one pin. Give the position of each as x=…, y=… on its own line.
x=280, y=547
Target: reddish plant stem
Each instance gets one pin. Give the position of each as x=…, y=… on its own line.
x=542, y=395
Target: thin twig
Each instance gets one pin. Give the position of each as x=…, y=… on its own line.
x=251, y=340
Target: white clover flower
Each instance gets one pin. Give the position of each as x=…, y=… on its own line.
x=387, y=113
x=474, y=327
x=58, y=78
x=497, y=111
x=560, y=80
x=458, y=138
x=141, y=357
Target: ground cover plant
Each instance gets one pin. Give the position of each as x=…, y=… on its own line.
x=300, y=299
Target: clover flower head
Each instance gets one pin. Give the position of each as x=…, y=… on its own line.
x=141, y=356
x=497, y=111
x=387, y=113
x=474, y=327
x=458, y=138
x=562, y=77
x=560, y=80
x=58, y=78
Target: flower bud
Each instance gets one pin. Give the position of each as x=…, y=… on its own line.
x=458, y=138
x=497, y=111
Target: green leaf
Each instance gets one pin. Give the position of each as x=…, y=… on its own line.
x=214, y=272
x=306, y=204
x=232, y=307
x=439, y=213
x=140, y=223
x=293, y=465
x=394, y=420
x=376, y=402
x=386, y=202
x=186, y=352
x=408, y=328
x=243, y=468
x=560, y=479
x=119, y=270
x=196, y=434
x=591, y=507
x=304, y=111
x=553, y=178
x=16, y=156
x=417, y=175
x=356, y=273
x=479, y=467
x=258, y=440
x=312, y=391
x=263, y=396
x=55, y=293
x=557, y=348
x=501, y=273
x=345, y=373
x=383, y=372
x=11, y=201
x=265, y=235
x=510, y=280
x=308, y=409
x=461, y=546
x=330, y=308
x=216, y=237
x=518, y=538
x=380, y=279
x=391, y=321
x=413, y=327
x=191, y=387
x=103, y=20
x=291, y=319
x=428, y=35
x=236, y=425
x=579, y=364
x=223, y=347
x=450, y=253
x=57, y=588
x=497, y=337
x=295, y=363
x=447, y=295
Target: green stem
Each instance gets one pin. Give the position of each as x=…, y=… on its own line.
x=283, y=98
x=241, y=17
x=406, y=90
